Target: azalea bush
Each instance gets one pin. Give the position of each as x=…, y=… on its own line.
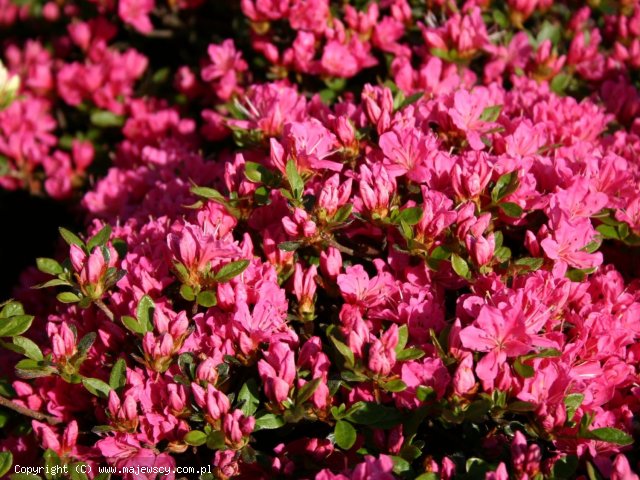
x=324, y=239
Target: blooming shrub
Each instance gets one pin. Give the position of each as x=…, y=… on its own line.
x=382, y=240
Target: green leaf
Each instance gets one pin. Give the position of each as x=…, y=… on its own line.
x=491, y=114
x=295, y=180
x=460, y=266
x=424, y=393
x=403, y=337
x=394, y=386
x=531, y=263
x=520, y=406
x=565, y=467
x=71, y=238
x=524, y=370
x=608, y=231
x=6, y=460
x=343, y=213
x=248, y=397
x=345, y=435
x=77, y=472
x=207, y=298
x=118, y=376
x=106, y=119
x=611, y=435
x=56, y=282
x=410, y=216
x=254, y=172
x=511, y=209
x=86, y=342
x=345, y=351
x=133, y=325
x=215, y=440
x=144, y=313
x=231, y=270
x=29, y=368
x=24, y=476
x=208, y=193
x=49, y=265
x=412, y=353
x=411, y=99
x=560, y=83
x=572, y=402
x=187, y=293
x=268, y=421
x=16, y=325
x=195, y=438
x=289, y=246
x=99, y=239
x=28, y=348
x=11, y=309
x=68, y=297
x=96, y=387
x=307, y=390
x=374, y=415
x=506, y=185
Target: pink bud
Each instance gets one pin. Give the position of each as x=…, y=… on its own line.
x=217, y=403
x=331, y=262
x=481, y=249
x=77, y=256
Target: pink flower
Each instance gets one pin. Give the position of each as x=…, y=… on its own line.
x=136, y=13
x=501, y=335
x=226, y=67
x=278, y=371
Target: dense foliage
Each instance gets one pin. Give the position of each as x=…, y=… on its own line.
x=325, y=239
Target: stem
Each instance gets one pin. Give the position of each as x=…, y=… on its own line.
x=5, y=402
x=100, y=304
x=342, y=248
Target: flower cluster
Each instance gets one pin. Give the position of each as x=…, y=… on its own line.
x=290, y=269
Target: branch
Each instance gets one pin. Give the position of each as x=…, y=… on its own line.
x=5, y=402
x=100, y=304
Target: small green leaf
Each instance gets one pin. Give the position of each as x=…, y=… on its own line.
x=572, y=402
x=345, y=435
x=118, y=376
x=374, y=415
x=28, y=348
x=16, y=325
x=345, y=351
x=560, y=83
x=68, y=297
x=343, y=213
x=611, y=435
x=424, y=393
x=11, y=309
x=289, y=246
x=460, y=266
x=254, y=172
x=608, y=231
x=248, y=397
x=491, y=114
x=295, y=180
x=106, y=119
x=71, y=238
x=520, y=406
x=96, y=387
x=307, y=390
x=195, y=438
x=99, y=239
x=403, y=337
x=412, y=353
x=6, y=460
x=133, y=325
x=410, y=216
x=231, y=270
x=268, y=421
x=394, y=386
x=86, y=342
x=144, y=313
x=511, y=209
x=215, y=440
x=208, y=193
x=187, y=293
x=207, y=299
x=49, y=265
x=531, y=263
x=524, y=370
x=565, y=467
x=506, y=185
